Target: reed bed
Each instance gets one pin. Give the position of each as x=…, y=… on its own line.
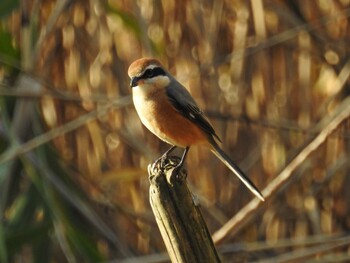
x=273, y=76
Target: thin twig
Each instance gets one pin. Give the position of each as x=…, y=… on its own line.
x=284, y=36
x=55, y=132
x=59, y=7
x=301, y=254
x=55, y=93
x=330, y=124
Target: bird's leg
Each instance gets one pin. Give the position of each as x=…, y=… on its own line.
x=165, y=155
x=182, y=161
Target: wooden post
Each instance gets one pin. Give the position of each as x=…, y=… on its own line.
x=179, y=219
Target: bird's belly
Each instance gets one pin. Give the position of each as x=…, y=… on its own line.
x=160, y=117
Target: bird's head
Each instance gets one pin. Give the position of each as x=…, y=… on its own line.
x=148, y=72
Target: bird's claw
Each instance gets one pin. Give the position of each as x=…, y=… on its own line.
x=161, y=160
x=172, y=165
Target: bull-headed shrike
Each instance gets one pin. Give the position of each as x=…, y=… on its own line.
x=168, y=110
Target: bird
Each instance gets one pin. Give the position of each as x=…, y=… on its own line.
x=169, y=111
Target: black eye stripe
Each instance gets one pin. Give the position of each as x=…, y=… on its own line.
x=150, y=73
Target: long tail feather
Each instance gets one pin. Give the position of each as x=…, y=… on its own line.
x=235, y=169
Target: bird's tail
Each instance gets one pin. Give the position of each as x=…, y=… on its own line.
x=235, y=169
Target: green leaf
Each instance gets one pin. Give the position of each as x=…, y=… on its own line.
x=7, y=6
x=84, y=244
x=8, y=51
x=129, y=20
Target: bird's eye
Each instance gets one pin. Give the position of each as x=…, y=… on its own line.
x=149, y=73
x=152, y=72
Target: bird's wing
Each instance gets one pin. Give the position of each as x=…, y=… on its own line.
x=183, y=102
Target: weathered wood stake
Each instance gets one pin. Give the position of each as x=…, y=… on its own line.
x=179, y=219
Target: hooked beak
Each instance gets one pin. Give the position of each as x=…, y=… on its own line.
x=134, y=81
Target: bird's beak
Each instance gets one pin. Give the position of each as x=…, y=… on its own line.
x=134, y=81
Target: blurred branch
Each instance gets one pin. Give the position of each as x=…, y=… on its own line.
x=281, y=243
x=153, y=258
x=280, y=125
x=284, y=36
x=329, y=124
x=331, y=257
x=56, y=93
x=62, y=240
x=74, y=199
x=17, y=129
x=302, y=254
x=26, y=37
x=341, y=163
x=57, y=10
x=143, y=29
x=17, y=150
x=254, y=247
x=340, y=85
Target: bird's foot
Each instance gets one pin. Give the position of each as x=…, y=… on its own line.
x=162, y=160
x=171, y=166
x=178, y=173
x=161, y=165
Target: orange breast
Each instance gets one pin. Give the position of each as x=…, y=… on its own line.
x=161, y=118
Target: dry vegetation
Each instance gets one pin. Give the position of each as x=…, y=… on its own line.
x=272, y=75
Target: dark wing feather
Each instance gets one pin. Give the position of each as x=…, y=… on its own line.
x=183, y=102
